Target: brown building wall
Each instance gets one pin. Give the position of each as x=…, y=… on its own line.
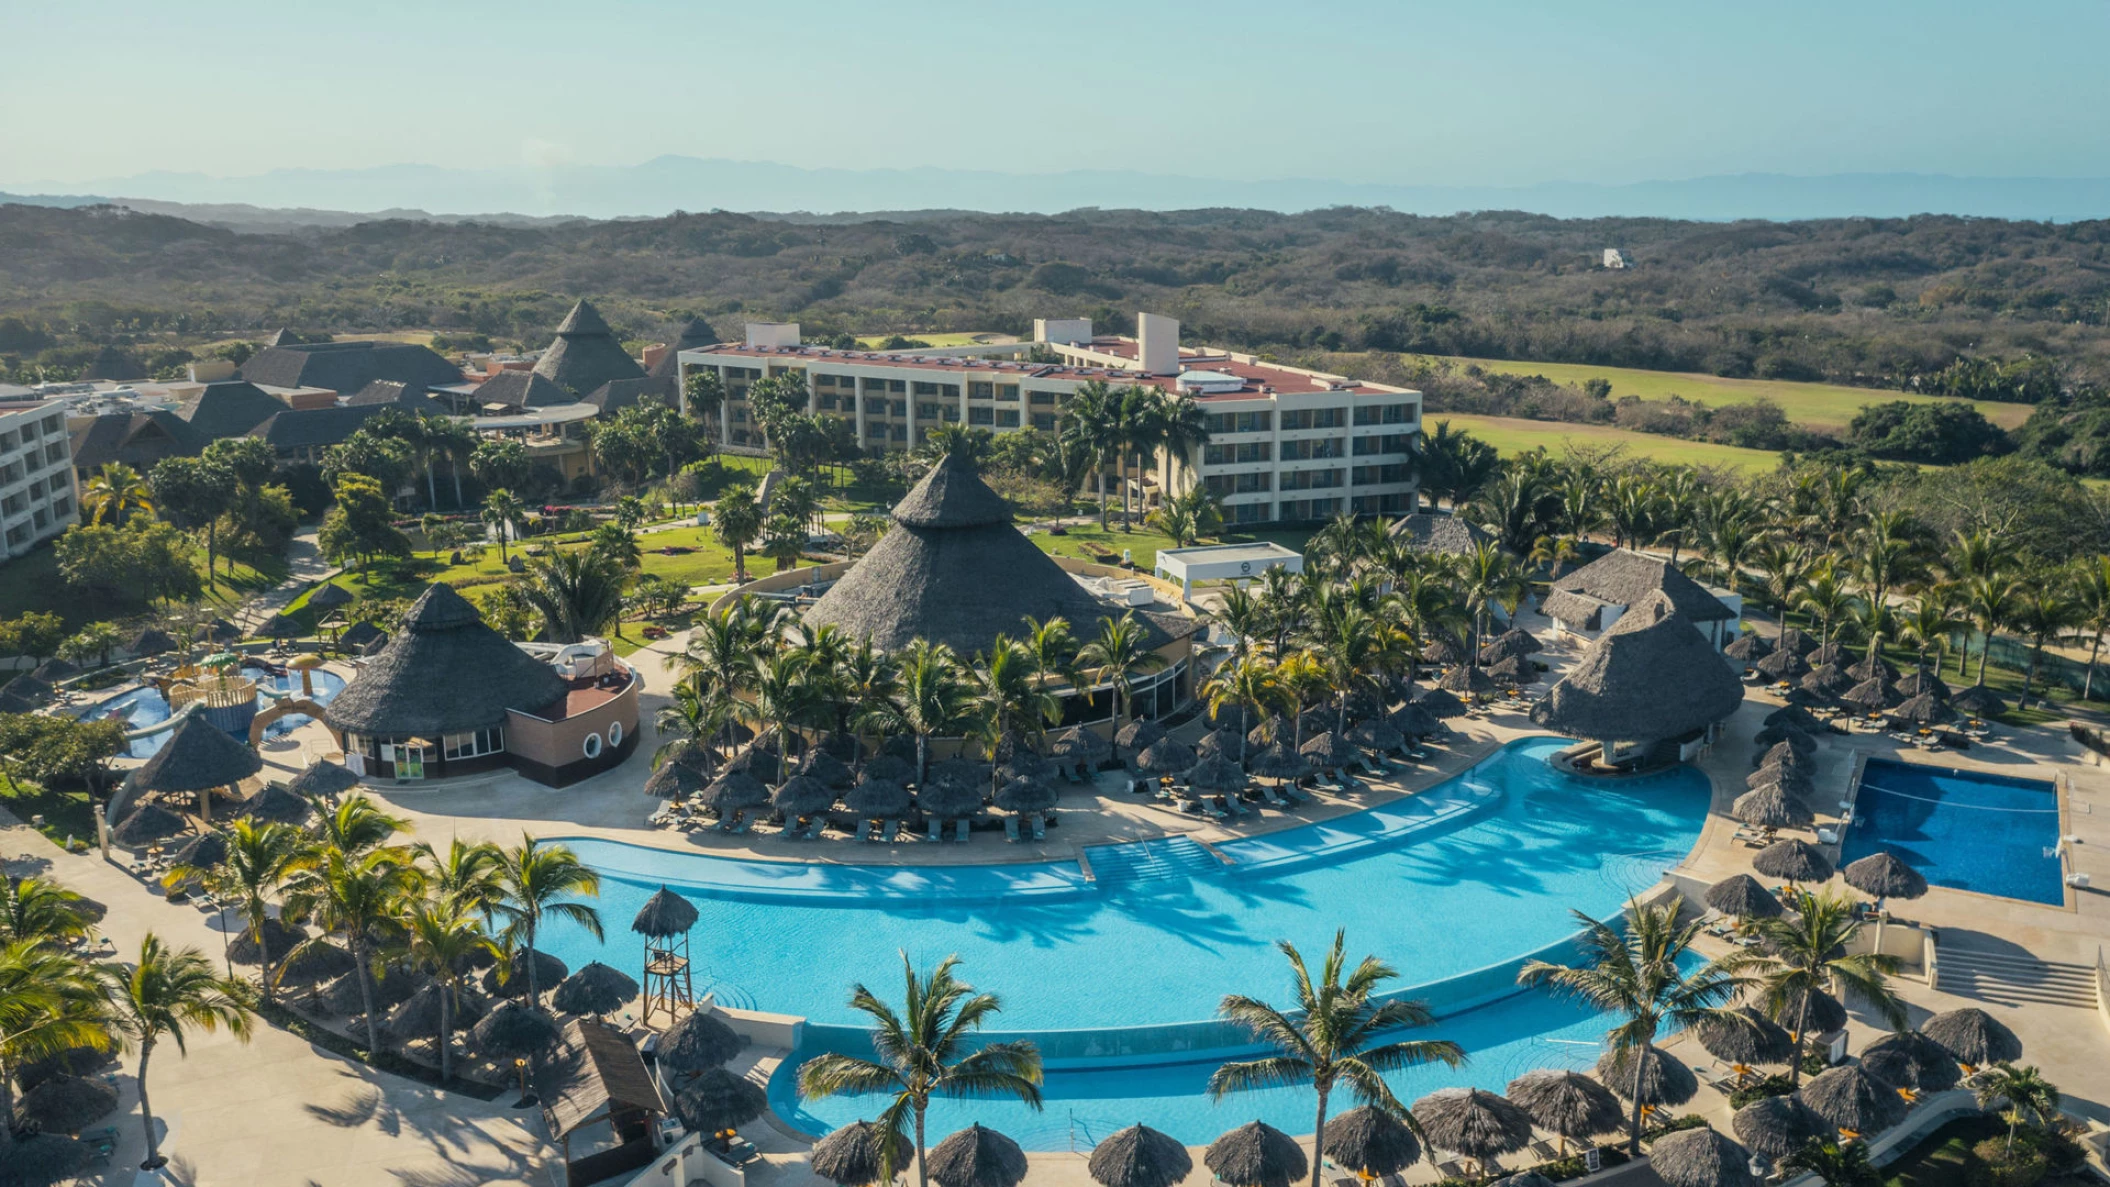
x=555, y=751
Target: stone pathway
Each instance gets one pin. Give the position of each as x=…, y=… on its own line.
x=305, y=567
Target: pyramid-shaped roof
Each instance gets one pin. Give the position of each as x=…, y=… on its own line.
x=1651, y=676
x=695, y=334
x=954, y=570
x=585, y=354
x=444, y=672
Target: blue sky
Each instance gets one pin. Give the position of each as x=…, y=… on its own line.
x=1469, y=93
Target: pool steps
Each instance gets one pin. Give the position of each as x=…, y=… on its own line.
x=2000, y=977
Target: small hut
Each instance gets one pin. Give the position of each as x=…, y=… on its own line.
x=1700, y=1158
x=595, y=1075
x=1644, y=689
x=200, y=759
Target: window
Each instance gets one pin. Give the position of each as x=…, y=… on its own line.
x=980, y=416
x=53, y=426
x=1041, y=399
x=875, y=429
x=474, y=743
x=827, y=402
x=29, y=432
x=933, y=411
x=1007, y=418
x=875, y=385
x=824, y=381
x=591, y=745
x=615, y=733
x=1239, y=454
x=900, y=432
x=1381, y=414
x=981, y=391
x=54, y=454
x=897, y=385
x=1044, y=421
x=1376, y=474
x=926, y=389
x=1221, y=485
x=1251, y=513
x=1311, y=479
x=1243, y=422
x=62, y=506
x=1007, y=391
x=898, y=407
x=949, y=389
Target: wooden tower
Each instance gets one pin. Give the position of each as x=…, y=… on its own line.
x=665, y=921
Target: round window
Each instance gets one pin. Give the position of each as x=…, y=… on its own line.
x=615, y=733
x=593, y=745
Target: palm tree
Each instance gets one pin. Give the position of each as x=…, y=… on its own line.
x=260, y=857
x=1927, y=624
x=50, y=1001
x=691, y=717
x=450, y=439
x=618, y=544
x=1121, y=651
x=2044, y=611
x=2024, y=1093
x=2090, y=591
x=1052, y=646
x=535, y=881
x=1349, y=642
x=921, y=1055
x=115, y=494
x=1248, y=683
x=870, y=682
x=465, y=876
x=168, y=992
x=1138, y=433
x=505, y=512
x=932, y=697
x=1824, y=597
x=736, y=520
x=38, y=910
x=578, y=593
x=1838, y=1165
x=440, y=938
x=1489, y=577
x=1243, y=615
x=779, y=698
x=1329, y=1037
x=1783, y=564
x=1555, y=552
x=1635, y=973
x=1989, y=602
x=1807, y=956
x=1009, y=691
x=1089, y=428
x=1183, y=429
x=355, y=826
x=356, y=895
x=719, y=656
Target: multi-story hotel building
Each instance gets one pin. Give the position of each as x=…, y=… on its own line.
x=37, y=498
x=1286, y=444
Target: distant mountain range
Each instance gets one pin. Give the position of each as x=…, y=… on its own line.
x=286, y=198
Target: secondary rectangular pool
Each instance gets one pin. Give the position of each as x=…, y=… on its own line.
x=1968, y=831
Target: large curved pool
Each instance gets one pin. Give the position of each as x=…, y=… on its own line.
x=1117, y=975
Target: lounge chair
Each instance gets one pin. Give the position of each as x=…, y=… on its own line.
x=1011, y=828
x=1268, y=796
x=1452, y=1170
x=864, y=829
x=1545, y=1151
x=1296, y=794
x=961, y=830
x=1040, y=827
x=892, y=831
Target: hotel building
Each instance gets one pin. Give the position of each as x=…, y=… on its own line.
x=37, y=496
x=1286, y=444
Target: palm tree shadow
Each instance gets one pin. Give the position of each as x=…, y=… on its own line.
x=360, y=1106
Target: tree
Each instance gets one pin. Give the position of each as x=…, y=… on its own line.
x=466, y=876
x=2045, y=611
x=36, y=634
x=2022, y=1095
x=1332, y=1037
x=1120, y=651
x=195, y=493
x=164, y=996
x=1250, y=684
x=147, y=559
x=352, y=893
x=703, y=394
x=455, y=441
x=784, y=540
x=50, y=1001
x=442, y=940
x=1009, y=692
x=736, y=521
x=1634, y=972
x=1838, y=1165
x=504, y=514
x=537, y=882
x=1825, y=598
x=578, y=592
x=115, y=495
x=1807, y=956
x=932, y=698
x=38, y=910
x=372, y=450
x=362, y=524
x=1989, y=600
x=260, y=857
x=92, y=642
x=1090, y=429
x=499, y=463
x=922, y=1054
x=1940, y=433
x=2090, y=591
x=618, y=545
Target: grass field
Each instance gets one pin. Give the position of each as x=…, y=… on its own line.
x=1514, y=435
x=31, y=582
x=1089, y=543
x=1819, y=405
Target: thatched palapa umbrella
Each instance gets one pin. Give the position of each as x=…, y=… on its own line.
x=735, y=792
x=198, y=757
x=595, y=989
x=418, y=1016
x=803, y=795
x=1974, y=1037
x=316, y=964
x=1748, y=648
x=1165, y=757
x=512, y=980
x=1850, y=1099
x=147, y=824
x=1216, y=775
x=1700, y=1158
x=1830, y=653
x=47, y=1158
x=1797, y=717
x=1798, y=775
x=888, y=768
x=1911, y=1060
x=977, y=1157
x=1783, y=665
x=1415, y=721
x=1329, y=751
x=678, y=776
x=203, y=851
x=1776, y=1126
x=1278, y=762
x=1873, y=667
x=324, y=780
x=280, y=938
x=67, y=1104
x=831, y=771
x=517, y=1029
x=857, y=1155
x=1924, y=709
x=1256, y=1155
x=1371, y=1142
x=1827, y=680
x=1666, y=1081
x=1440, y=703
x=1772, y=806
x=1793, y=860
x=1799, y=741
x=1472, y=1123
x=948, y=799
x=1743, y=896
x=1920, y=680
x=1026, y=797
x=665, y=914
x=1514, y=670
x=1886, y=877
x=1871, y=695
x=1567, y=1104
x=1226, y=742
x=717, y=1100
x=150, y=642
x=1753, y=1040
x=1376, y=734
x=697, y=1043
x=1826, y=1014
x=1079, y=745
x=1468, y=680
x=878, y=799
x=1978, y=701
x=1139, y=734
x=1443, y=649
x=277, y=804
x=1138, y=1156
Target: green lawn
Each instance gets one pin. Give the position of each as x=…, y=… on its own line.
x=1943, y=1158
x=1089, y=543
x=1513, y=435
x=66, y=813
x=31, y=582
x=1819, y=405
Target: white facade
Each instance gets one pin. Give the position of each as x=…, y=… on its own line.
x=1286, y=444
x=37, y=495
x=1614, y=258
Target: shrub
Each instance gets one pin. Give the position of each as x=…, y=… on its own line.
x=1994, y=1165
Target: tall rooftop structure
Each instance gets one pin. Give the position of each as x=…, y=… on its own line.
x=585, y=354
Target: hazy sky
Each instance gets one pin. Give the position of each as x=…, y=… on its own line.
x=1475, y=93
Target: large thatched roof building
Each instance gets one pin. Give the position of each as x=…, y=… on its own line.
x=448, y=695
x=953, y=569
x=1593, y=598
x=1651, y=684
x=585, y=354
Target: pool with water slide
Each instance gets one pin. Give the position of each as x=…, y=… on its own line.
x=1993, y=834
x=145, y=707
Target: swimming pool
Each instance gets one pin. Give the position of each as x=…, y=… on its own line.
x=144, y=707
x=1961, y=829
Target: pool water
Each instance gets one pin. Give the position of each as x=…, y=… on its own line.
x=1961, y=829
x=144, y=707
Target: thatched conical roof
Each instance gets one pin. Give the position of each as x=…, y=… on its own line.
x=977, y=1157
x=1977, y=700
x=147, y=824
x=697, y=1043
x=1329, y=749
x=1776, y=1126
x=1078, y=744
x=1885, y=876
x=831, y=771
x=1794, y=639
x=323, y=779
x=856, y=1154
x=276, y=804
x=317, y=963
x=512, y=981
x=67, y=1104
x=150, y=641
x=1667, y=1081
x=1026, y=796
x=694, y=334
x=1748, y=648
x=280, y=938
x=444, y=672
x=1567, y=1103
x=1138, y=1156
x=678, y=776
x=202, y=851
x=1700, y=1158
x=1772, y=805
x=954, y=570
x=1414, y=721
x=1872, y=667
x=1920, y=680
x=1371, y=1141
x=329, y=596
x=1440, y=703
x=1376, y=734
x=803, y=795
x=585, y=354
x=716, y=1099
x=736, y=791
x=1755, y=1039
x=664, y=914
x=890, y=768
x=418, y=1016
x=1469, y=679
x=1783, y=665
x=1166, y=756
x=1825, y=1014
x=1472, y=1122
x=594, y=989
x=1216, y=774
x=1220, y=740
x=46, y=1158
x=1924, y=709
x=1826, y=680
x=1256, y=1155
x=516, y=1028
x=1139, y=734
x=1973, y=1036
x=1911, y=1060
x=1796, y=861
x=878, y=799
x=1847, y=1097
x=1798, y=717
x=949, y=799
x=1651, y=676
x=198, y=756
x=1743, y=896
x=1871, y=694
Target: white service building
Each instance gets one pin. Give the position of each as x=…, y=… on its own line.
x=1224, y=562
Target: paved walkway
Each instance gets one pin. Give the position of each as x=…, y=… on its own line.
x=305, y=567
